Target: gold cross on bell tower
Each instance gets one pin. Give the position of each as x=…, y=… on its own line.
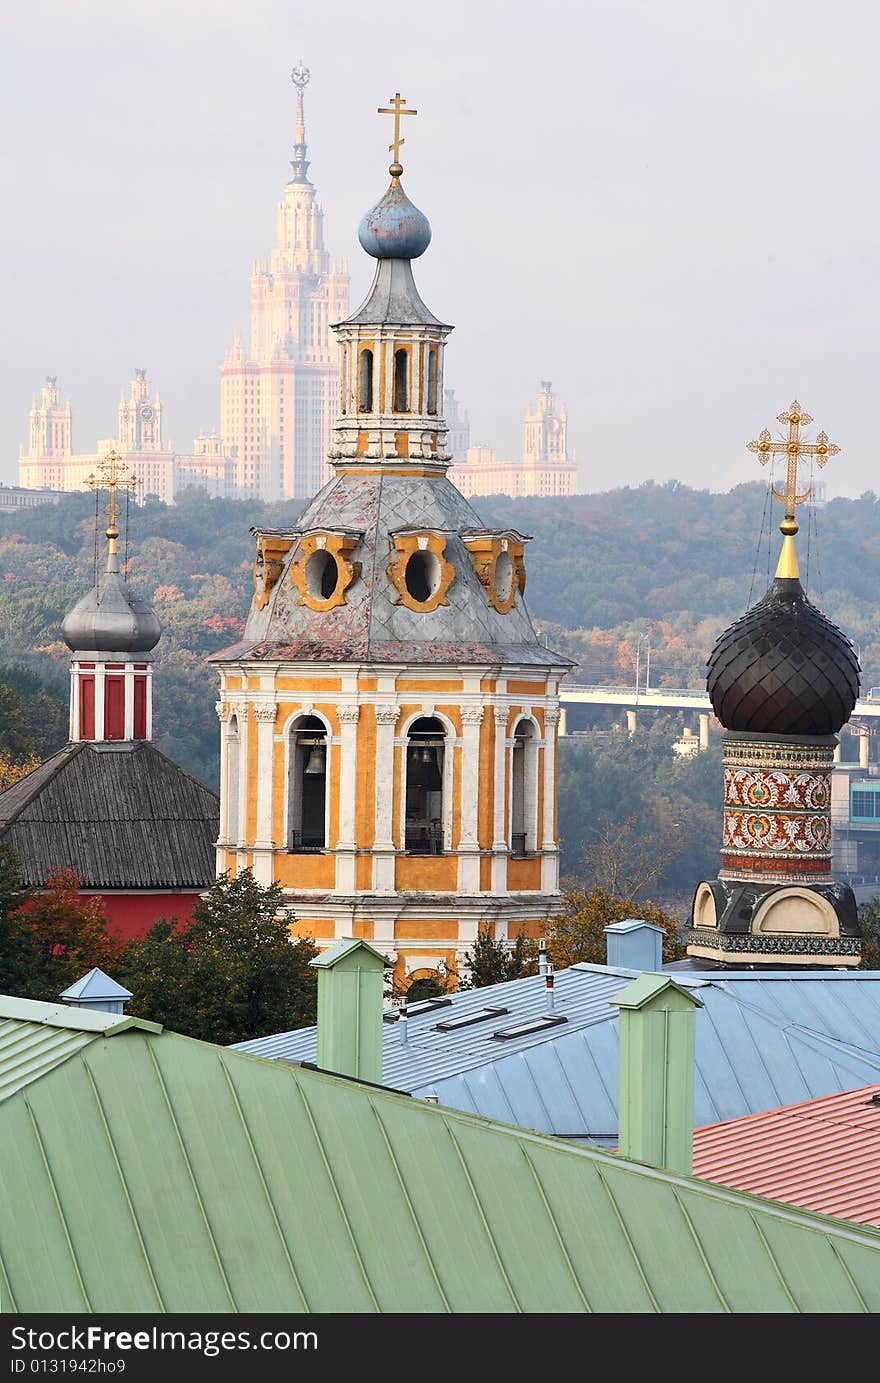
x=112, y=475
x=396, y=109
x=793, y=448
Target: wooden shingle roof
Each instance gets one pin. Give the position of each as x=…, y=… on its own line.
x=121, y=815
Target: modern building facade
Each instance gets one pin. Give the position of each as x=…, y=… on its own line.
x=278, y=395
x=545, y=470
x=389, y=718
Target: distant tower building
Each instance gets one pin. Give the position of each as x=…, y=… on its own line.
x=389, y=717
x=50, y=462
x=140, y=417
x=545, y=470
x=50, y=430
x=545, y=431
x=139, y=440
x=783, y=680
x=278, y=399
x=458, y=438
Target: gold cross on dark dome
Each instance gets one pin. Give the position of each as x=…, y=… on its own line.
x=793, y=448
x=112, y=475
x=395, y=108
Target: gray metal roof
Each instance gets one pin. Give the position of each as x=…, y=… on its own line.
x=372, y=624
x=121, y=815
x=564, y=1079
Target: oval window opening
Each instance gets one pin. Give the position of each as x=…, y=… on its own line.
x=503, y=577
x=422, y=575
x=322, y=575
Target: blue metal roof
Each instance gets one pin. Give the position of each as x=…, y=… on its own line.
x=762, y=1041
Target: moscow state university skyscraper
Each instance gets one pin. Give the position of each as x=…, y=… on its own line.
x=278, y=399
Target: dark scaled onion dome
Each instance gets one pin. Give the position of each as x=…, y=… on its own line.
x=110, y=619
x=783, y=669
x=395, y=228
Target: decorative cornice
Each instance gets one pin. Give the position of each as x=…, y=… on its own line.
x=776, y=944
x=551, y=716
x=502, y=716
x=348, y=715
x=265, y=711
x=223, y=709
x=387, y=715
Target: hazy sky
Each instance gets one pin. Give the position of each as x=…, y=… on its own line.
x=667, y=207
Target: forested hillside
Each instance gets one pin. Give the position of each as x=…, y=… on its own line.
x=664, y=561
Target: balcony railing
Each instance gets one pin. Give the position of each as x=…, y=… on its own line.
x=423, y=838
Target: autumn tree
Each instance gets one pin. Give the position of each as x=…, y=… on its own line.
x=52, y=937
x=234, y=973
x=577, y=933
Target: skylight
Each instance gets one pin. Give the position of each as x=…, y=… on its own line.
x=466, y=1019
x=413, y=1010
x=549, y=1020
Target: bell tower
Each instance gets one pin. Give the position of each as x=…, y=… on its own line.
x=389, y=717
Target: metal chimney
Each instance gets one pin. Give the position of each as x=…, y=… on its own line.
x=350, y=974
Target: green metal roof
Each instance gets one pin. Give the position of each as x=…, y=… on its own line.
x=152, y=1172
x=35, y=1037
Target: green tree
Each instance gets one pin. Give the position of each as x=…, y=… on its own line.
x=234, y=973
x=577, y=933
x=492, y=961
x=869, y=916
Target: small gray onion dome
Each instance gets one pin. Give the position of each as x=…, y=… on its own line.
x=110, y=619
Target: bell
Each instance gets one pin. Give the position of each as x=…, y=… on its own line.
x=315, y=763
x=423, y=769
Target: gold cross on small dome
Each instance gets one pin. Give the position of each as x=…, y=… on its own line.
x=793, y=448
x=396, y=109
x=112, y=474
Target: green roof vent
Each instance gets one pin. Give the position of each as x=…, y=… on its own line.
x=657, y=1038
x=350, y=974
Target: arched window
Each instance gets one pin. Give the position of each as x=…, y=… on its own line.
x=364, y=385
x=232, y=781
x=423, y=823
x=524, y=790
x=433, y=369
x=401, y=382
x=307, y=785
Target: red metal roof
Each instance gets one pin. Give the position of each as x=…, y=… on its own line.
x=821, y=1155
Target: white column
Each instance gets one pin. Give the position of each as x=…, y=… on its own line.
x=864, y=747
x=264, y=845
x=469, y=846
x=74, y=731
x=383, y=843
x=549, y=848
x=99, y=701
x=222, y=709
x=499, y=843
x=346, y=848
x=704, y=730
x=631, y=720
x=128, y=702
x=149, y=689
x=243, y=728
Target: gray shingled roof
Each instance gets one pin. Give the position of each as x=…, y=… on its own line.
x=372, y=624
x=121, y=815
